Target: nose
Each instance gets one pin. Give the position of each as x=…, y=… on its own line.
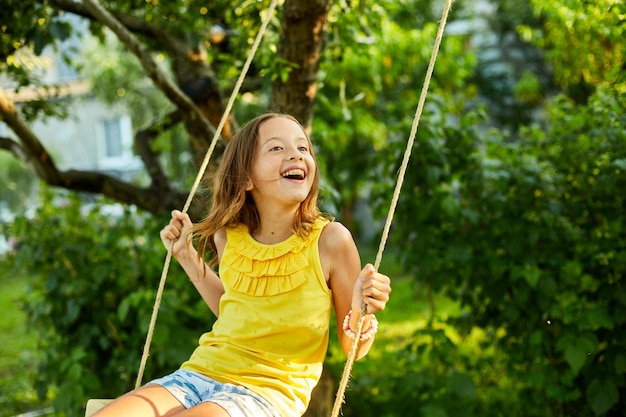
x=295, y=155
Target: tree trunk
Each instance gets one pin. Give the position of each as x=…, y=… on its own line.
x=322, y=398
x=301, y=42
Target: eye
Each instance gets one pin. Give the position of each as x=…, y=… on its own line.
x=303, y=149
x=275, y=148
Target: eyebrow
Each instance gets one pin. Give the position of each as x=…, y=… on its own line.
x=280, y=138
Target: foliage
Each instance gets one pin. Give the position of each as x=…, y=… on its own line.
x=16, y=351
x=371, y=81
x=523, y=229
x=32, y=28
x=18, y=185
x=117, y=74
x=512, y=75
x=583, y=40
x=91, y=301
x=529, y=236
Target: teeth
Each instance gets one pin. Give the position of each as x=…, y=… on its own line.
x=294, y=173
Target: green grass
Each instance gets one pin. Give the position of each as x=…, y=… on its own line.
x=408, y=312
x=17, y=341
x=17, y=348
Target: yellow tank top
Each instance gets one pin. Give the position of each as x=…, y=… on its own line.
x=271, y=335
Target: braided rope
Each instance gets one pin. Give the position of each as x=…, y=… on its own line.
x=339, y=399
x=194, y=188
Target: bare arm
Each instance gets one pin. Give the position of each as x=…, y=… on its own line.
x=351, y=285
x=208, y=284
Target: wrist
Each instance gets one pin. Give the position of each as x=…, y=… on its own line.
x=368, y=330
x=355, y=316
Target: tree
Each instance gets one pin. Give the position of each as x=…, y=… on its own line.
x=197, y=66
x=525, y=229
x=284, y=77
x=200, y=63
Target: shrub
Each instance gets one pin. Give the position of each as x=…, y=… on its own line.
x=96, y=277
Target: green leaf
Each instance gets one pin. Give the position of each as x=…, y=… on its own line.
x=600, y=317
x=620, y=363
x=532, y=275
x=564, y=342
x=602, y=395
x=123, y=309
x=576, y=353
x=433, y=411
x=60, y=30
x=620, y=163
x=462, y=385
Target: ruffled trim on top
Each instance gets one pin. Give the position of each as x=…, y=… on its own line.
x=264, y=270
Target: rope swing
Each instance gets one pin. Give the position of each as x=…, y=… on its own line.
x=339, y=398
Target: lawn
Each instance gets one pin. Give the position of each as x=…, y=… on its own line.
x=18, y=340
x=16, y=349
x=408, y=310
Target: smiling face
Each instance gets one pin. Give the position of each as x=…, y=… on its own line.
x=283, y=169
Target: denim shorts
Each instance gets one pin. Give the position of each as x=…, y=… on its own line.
x=192, y=388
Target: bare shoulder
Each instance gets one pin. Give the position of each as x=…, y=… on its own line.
x=220, y=241
x=335, y=233
x=220, y=236
x=339, y=256
x=336, y=236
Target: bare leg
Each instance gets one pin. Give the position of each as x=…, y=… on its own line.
x=150, y=400
x=207, y=409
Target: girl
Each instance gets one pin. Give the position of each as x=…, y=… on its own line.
x=283, y=266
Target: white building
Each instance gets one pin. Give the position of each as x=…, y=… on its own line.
x=95, y=136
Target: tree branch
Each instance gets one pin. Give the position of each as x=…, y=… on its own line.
x=133, y=24
x=190, y=112
x=152, y=199
x=188, y=62
x=143, y=145
x=13, y=147
x=42, y=161
x=155, y=199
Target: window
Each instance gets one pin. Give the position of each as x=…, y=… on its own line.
x=114, y=147
x=116, y=143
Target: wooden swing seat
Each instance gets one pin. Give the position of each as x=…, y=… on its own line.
x=95, y=405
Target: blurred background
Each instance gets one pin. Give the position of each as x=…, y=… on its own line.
x=507, y=250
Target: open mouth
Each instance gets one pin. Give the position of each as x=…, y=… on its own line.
x=294, y=174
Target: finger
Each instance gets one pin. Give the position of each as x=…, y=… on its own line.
x=368, y=270
x=174, y=231
x=183, y=218
x=170, y=233
x=374, y=306
x=375, y=281
x=377, y=295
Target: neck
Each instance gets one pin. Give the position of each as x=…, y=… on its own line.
x=274, y=225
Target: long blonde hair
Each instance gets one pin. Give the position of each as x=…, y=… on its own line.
x=232, y=205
